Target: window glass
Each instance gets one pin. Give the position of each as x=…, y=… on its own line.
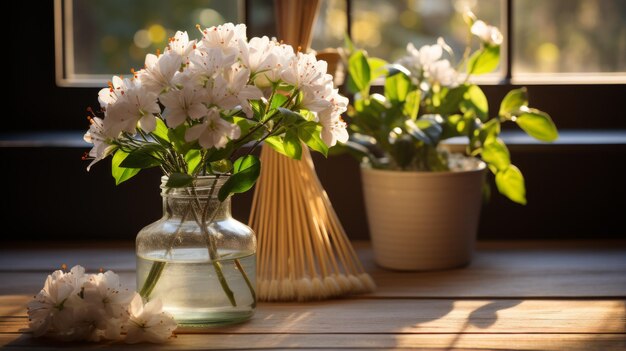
x=331, y=26
x=569, y=36
x=384, y=28
x=104, y=37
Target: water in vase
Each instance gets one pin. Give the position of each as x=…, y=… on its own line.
x=191, y=290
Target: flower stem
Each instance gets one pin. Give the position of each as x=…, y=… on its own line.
x=152, y=279
x=157, y=266
x=245, y=277
x=211, y=245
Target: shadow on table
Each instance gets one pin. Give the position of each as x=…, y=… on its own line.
x=483, y=317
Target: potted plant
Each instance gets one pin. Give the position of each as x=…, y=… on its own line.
x=423, y=202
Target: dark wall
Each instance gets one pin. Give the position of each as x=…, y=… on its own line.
x=573, y=192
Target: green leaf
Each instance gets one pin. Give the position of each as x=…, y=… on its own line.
x=221, y=166
x=496, y=154
x=143, y=157
x=427, y=129
x=347, y=42
x=350, y=86
x=413, y=130
x=510, y=183
x=214, y=154
x=161, y=131
x=359, y=70
x=276, y=142
x=377, y=67
x=290, y=117
x=538, y=125
x=397, y=87
x=436, y=160
x=452, y=99
x=412, y=104
x=244, y=124
x=475, y=100
x=356, y=150
x=513, y=101
x=246, y=171
x=291, y=144
x=193, y=159
x=278, y=100
x=121, y=174
x=310, y=133
x=178, y=180
x=489, y=131
x=403, y=150
x=452, y=126
x=369, y=112
x=484, y=60
x=258, y=109
x=177, y=138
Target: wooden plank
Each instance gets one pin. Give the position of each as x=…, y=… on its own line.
x=511, y=273
x=13, y=305
x=118, y=256
x=410, y=316
x=31, y=282
x=547, y=342
x=499, y=270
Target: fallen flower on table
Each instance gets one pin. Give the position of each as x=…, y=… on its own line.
x=148, y=322
x=76, y=306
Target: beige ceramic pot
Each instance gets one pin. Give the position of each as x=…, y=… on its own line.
x=423, y=220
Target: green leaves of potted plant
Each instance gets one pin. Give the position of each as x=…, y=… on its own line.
x=423, y=202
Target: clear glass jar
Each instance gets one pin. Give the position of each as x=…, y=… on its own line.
x=204, y=273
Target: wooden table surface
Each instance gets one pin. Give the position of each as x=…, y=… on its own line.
x=514, y=296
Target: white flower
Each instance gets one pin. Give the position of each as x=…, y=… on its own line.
x=181, y=45
x=488, y=34
x=91, y=324
x=304, y=69
x=281, y=56
x=210, y=62
x=255, y=53
x=96, y=136
x=213, y=131
x=54, y=305
x=109, y=95
x=231, y=90
x=316, y=97
x=148, y=323
x=333, y=127
x=103, y=291
x=442, y=73
x=188, y=101
x=86, y=324
x=421, y=59
x=136, y=106
x=159, y=70
x=225, y=37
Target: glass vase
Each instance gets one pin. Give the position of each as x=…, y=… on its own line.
x=197, y=259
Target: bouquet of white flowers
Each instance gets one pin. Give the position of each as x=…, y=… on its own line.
x=218, y=94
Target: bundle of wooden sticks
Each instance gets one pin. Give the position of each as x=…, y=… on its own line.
x=303, y=251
